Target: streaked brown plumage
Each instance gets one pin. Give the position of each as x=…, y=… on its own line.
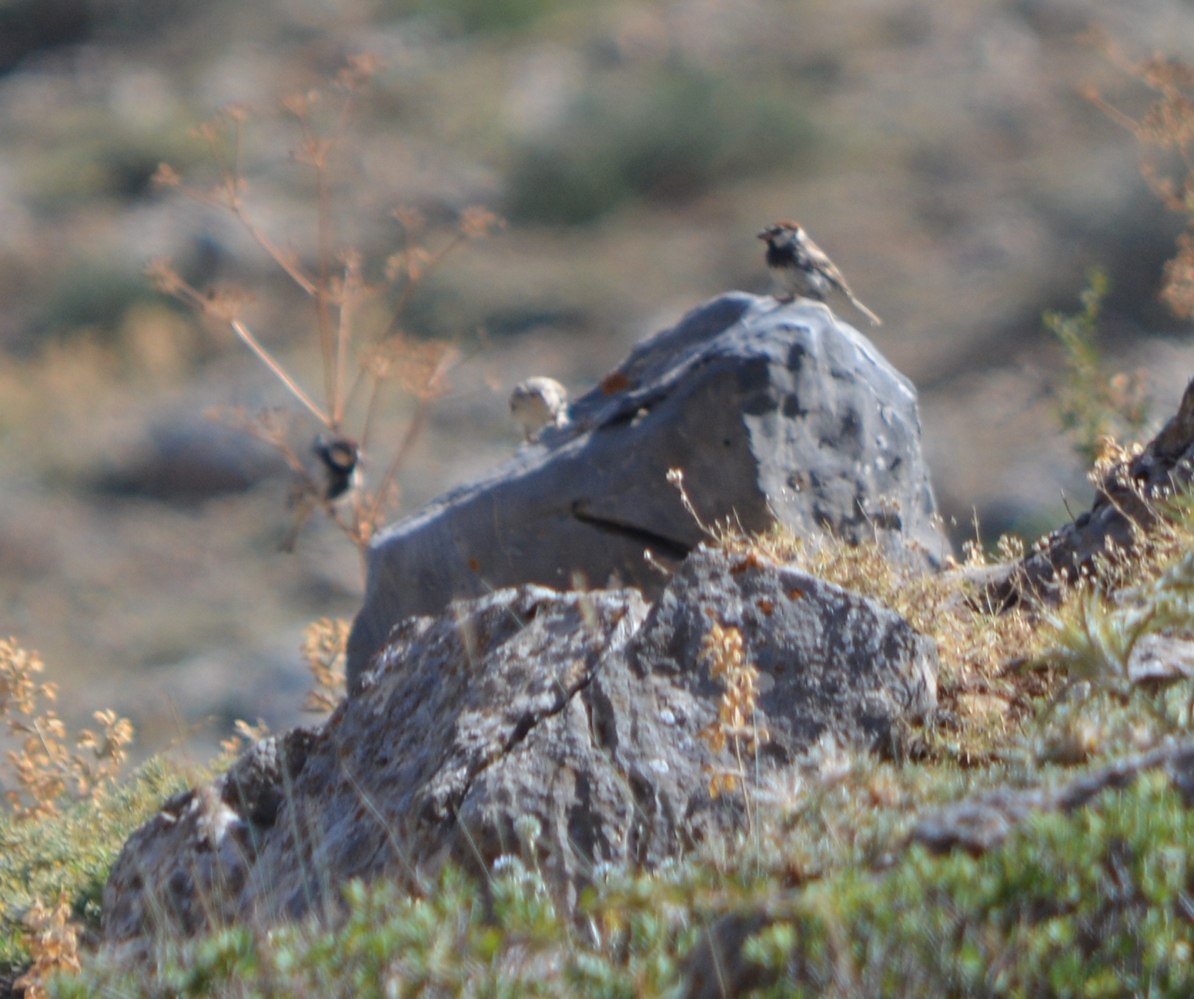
x=802, y=269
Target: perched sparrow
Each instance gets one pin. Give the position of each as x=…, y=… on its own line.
x=538, y=403
x=339, y=459
x=330, y=486
x=801, y=268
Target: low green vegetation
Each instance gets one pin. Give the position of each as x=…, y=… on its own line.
x=66, y=853
x=1091, y=904
x=469, y=17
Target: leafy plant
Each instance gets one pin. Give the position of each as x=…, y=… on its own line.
x=1092, y=405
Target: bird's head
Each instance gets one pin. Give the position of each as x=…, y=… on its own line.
x=780, y=232
x=339, y=454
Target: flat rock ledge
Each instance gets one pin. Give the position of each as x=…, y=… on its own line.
x=576, y=725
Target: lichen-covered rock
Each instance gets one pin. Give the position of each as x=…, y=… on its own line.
x=773, y=412
x=576, y=726
x=186, y=868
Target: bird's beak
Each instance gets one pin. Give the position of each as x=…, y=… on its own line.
x=763, y=235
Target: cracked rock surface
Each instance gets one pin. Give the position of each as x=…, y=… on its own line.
x=570, y=724
x=773, y=412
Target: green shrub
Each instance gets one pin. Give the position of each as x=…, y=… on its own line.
x=1093, y=405
x=1090, y=904
x=1094, y=903
x=69, y=853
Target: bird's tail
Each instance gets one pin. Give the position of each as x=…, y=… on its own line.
x=875, y=320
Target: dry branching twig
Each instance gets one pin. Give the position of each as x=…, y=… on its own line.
x=356, y=360
x=1166, y=130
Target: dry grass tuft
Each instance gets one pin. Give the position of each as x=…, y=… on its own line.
x=979, y=648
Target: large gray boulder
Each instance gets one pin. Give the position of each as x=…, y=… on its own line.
x=773, y=412
x=578, y=726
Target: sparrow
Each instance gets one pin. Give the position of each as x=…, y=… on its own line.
x=538, y=403
x=330, y=486
x=801, y=268
x=339, y=465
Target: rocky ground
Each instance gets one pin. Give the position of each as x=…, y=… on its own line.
x=947, y=156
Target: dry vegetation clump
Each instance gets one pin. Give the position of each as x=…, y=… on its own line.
x=1166, y=131
x=325, y=651
x=982, y=692
x=68, y=817
x=359, y=310
x=53, y=946
x=47, y=769
x=735, y=728
x=1097, y=638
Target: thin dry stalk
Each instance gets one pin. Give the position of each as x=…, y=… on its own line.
x=339, y=291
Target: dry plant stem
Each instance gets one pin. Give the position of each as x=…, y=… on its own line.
x=317, y=153
x=267, y=359
x=338, y=287
x=324, y=225
x=352, y=285
x=262, y=431
x=431, y=391
x=412, y=284
x=188, y=294
x=287, y=262
x=675, y=477
x=234, y=203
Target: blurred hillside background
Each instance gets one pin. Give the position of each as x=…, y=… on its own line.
x=945, y=154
